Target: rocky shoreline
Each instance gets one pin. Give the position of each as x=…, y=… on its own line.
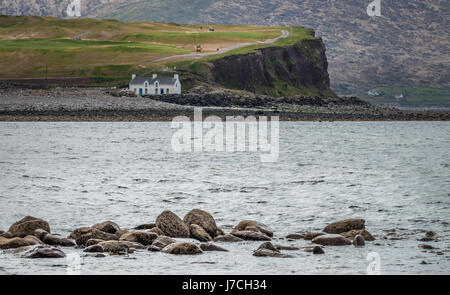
x=196, y=233
x=99, y=104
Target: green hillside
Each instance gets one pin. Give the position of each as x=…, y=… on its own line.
x=35, y=47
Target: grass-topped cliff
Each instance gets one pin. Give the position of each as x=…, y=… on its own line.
x=109, y=51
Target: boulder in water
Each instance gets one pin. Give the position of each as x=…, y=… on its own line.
x=219, y=232
x=53, y=240
x=157, y=231
x=40, y=233
x=318, y=250
x=268, y=246
x=145, y=226
x=227, y=239
x=429, y=236
x=311, y=235
x=203, y=219
x=154, y=248
x=251, y=225
x=84, y=234
x=295, y=236
x=286, y=248
x=44, y=252
x=345, y=225
x=172, y=225
x=27, y=225
x=332, y=240
x=163, y=241
x=120, y=247
x=250, y=235
x=94, y=249
x=18, y=242
x=353, y=233
x=211, y=247
x=427, y=247
x=107, y=227
x=144, y=238
x=267, y=249
x=359, y=241
x=182, y=248
x=91, y=242
x=197, y=232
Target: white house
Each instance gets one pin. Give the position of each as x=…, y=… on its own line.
x=373, y=93
x=155, y=85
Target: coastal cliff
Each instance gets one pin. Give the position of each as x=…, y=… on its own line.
x=299, y=69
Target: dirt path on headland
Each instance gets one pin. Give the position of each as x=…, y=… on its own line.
x=284, y=34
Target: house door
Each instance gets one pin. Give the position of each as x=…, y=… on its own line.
x=140, y=91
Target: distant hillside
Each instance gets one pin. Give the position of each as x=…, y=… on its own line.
x=33, y=46
x=410, y=97
x=408, y=45
x=107, y=52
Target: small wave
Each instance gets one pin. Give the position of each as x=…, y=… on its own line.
x=139, y=180
x=220, y=190
x=53, y=188
x=164, y=180
x=180, y=195
x=43, y=177
x=254, y=188
x=311, y=182
x=113, y=193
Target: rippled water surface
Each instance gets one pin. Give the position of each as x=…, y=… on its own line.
x=396, y=175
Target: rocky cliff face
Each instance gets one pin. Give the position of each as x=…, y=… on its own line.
x=277, y=71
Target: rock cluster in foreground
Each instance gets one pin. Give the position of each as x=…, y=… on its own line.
x=33, y=238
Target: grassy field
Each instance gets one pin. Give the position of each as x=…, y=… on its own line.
x=412, y=97
x=36, y=47
x=295, y=35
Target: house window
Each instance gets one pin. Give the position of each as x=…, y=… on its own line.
x=146, y=91
x=162, y=91
x=167, y=91
x=156, y=91
x=146, y=84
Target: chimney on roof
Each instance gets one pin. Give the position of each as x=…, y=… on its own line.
x=176, y=77
x=154, y=76
x=133, y=76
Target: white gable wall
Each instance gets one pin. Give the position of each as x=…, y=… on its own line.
x=156, y=88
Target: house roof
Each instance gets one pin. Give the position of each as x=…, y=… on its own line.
x=150, y=80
